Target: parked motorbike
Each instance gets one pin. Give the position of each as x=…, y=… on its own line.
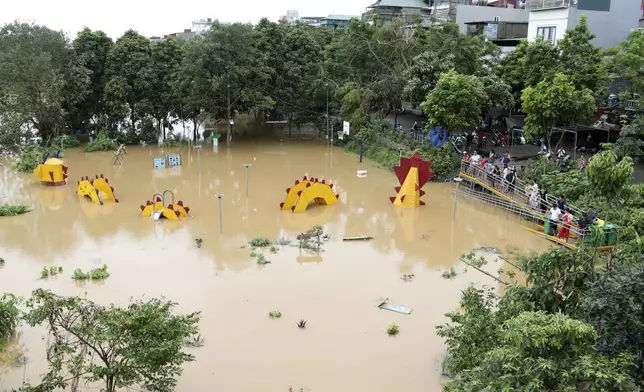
x=500, y=140
x=481, y=142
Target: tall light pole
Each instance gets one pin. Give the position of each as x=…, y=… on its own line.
x=230, y=135
x=221, y=222
x=458, y=181
x=247, y=166
x=328, y=135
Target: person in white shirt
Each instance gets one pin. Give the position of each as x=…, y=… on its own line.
x=476, y=158
x=555, y=214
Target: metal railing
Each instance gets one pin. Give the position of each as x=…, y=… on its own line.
x=530, y=219
x=519, y=191
x=535, y=5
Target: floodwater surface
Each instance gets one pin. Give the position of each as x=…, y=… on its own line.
x=344, y=346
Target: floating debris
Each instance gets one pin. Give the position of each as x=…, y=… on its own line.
x=408, y=277
x=198, y=242
x=301, y=324
x=487, y=249
x=359, y=238
x=394, y=308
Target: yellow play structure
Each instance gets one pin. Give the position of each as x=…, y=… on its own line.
x=51, y=172
x=156, y=208
x=97, y=189
x=304, y=192
x=412, y=173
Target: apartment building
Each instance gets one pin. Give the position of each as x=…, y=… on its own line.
x=466, y=12
x=610, y=21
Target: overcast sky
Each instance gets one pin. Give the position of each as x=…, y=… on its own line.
x=160, y=17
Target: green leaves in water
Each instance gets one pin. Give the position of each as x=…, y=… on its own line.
x=51, y=271
x=95, y=274
x=260, y=242
x=13, y=209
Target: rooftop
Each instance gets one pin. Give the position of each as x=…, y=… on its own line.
x=400, y=3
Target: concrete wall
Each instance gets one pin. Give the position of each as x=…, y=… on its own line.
x=470, y=13
x=610, y=28
x=548, y=18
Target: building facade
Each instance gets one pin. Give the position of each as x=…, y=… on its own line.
x=408, y=10
x=466, y=12
x=610, y=21
x=331, y=21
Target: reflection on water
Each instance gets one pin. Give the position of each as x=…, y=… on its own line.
x=345, y=346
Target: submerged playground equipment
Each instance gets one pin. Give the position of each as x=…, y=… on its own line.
x=300, y=195
x=51, y=171
x=97, y=189
x=412, y=173
x=156, y=208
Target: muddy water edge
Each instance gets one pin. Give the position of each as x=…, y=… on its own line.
x=345, y=346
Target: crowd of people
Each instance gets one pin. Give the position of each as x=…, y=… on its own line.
x=500, y=174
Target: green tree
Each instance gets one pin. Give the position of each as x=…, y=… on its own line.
x=192, y=86
x=9, y=317
x=39, y=77
x=582, y=61
x=141, y=344
x=608, y=176
x=455, y=102
x=499, y=93
x=554, y=101
x=130, y=77
x=166, y=58
x=91, y=48
x=626, y=61
x=529, y=64
x=536, y=351
x=614, y=305
x=631, y=139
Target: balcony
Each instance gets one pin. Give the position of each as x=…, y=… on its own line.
x=538, y=5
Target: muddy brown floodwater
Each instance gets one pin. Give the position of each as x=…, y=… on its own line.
x=344, y=347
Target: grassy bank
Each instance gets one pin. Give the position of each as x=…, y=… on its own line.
x=383, y=145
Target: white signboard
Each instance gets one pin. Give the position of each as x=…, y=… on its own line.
x=345, y=127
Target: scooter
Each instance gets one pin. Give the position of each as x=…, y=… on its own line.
x=482, y=142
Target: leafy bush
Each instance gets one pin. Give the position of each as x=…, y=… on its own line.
x=170, y=143
x=13, y=209
x=9, y=317
x=101, y=143
x=65, y=141
x=95, y=274
x=260, y=242
x=51, y=271
x=30, y=158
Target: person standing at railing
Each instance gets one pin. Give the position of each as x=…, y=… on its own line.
x=555, y=215
x=496, y=173
x=475, y=160
x=567, y=219
x=534, y=196
x=561, y=203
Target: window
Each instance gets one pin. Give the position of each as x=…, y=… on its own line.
x=497, y=18
x=548, y=33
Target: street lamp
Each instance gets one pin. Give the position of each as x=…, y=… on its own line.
x=458, y=181
x=328, y=134
x=247, y=166
x=221, y=223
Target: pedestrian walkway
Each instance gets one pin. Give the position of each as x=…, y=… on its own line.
x=513, y=198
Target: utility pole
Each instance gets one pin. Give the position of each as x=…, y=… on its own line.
x=328, y=134
x=230, y=129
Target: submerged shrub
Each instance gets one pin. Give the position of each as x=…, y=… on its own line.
x=13, y=209
x=101, y=143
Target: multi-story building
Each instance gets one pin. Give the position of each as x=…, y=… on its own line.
x=408, y=10
x=466, y=12
x=202, y=25
x=331, y=21
x=609, y=20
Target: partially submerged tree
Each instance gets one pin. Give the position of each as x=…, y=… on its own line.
x=141, y=344
x=39, y=77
